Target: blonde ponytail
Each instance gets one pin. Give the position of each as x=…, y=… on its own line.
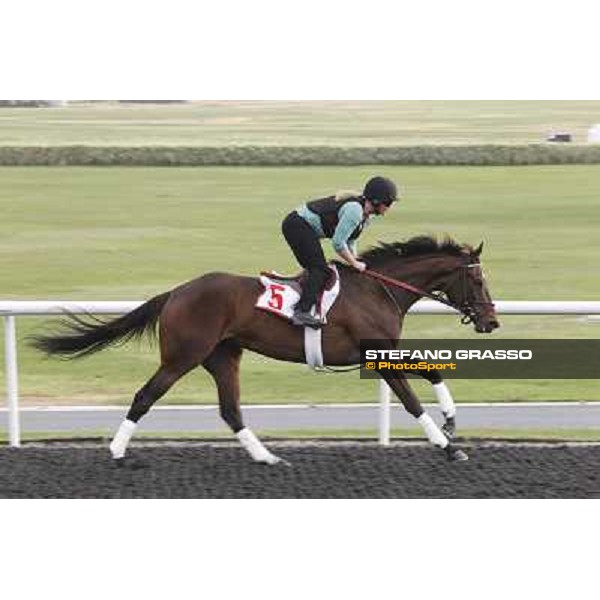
x=346, y=194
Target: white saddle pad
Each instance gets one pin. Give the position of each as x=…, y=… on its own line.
x=280, y=298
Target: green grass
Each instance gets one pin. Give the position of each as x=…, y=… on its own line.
x=129, y=233
x=345, y=123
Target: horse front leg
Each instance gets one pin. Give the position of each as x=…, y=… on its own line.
x=448, y=408
x=402, y=389
x=445, y=401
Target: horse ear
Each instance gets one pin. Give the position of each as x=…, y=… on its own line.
x=478, y=250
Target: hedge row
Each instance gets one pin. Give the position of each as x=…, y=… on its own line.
x=533, y=154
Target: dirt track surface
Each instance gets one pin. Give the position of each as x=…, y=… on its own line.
x=319, y=470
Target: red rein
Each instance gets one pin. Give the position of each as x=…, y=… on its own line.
x=406, y=286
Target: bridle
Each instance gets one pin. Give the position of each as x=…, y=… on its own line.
x=467, y=307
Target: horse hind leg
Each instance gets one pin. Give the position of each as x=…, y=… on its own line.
x=155, y=388
x=184, y=343
x=224, y=365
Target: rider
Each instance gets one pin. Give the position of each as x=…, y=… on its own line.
x=341, y=218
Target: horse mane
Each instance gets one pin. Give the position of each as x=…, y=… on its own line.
x=415, y=246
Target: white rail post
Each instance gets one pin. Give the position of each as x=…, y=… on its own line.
x=384, y=413
x=12, y=387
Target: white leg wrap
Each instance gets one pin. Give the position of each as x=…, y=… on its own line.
x=444, y=398
x=433, y=432
x=255, y=447
x=119, y=444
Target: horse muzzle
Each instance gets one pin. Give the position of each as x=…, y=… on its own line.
x=486, y=324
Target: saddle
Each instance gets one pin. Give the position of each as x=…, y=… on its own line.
x=296, y=282
x=282, y=292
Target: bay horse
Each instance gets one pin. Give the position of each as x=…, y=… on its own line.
x=210, y=320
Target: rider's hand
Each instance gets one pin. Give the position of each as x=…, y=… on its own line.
x=359, y=266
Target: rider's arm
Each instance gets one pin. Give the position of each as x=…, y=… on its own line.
x=351, y=259
x=350, y=216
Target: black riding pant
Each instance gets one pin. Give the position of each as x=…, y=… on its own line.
x=308, y=252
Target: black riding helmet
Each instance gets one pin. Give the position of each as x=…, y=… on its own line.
x=381, y=190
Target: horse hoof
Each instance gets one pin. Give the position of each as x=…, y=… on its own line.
x=456, y=454
x=449, y=428
x=449, y=431
x=272, y=459
x=130, y=464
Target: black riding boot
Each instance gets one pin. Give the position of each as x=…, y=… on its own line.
x=316, y=278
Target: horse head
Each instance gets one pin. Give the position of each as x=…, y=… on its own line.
x=444, y=270
x=468, y=291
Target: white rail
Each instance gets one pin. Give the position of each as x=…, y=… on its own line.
x=111, y=307
x=9, y=309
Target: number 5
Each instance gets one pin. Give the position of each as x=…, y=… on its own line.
x=276, y=300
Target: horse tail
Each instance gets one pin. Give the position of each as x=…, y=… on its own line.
x=85, y=336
